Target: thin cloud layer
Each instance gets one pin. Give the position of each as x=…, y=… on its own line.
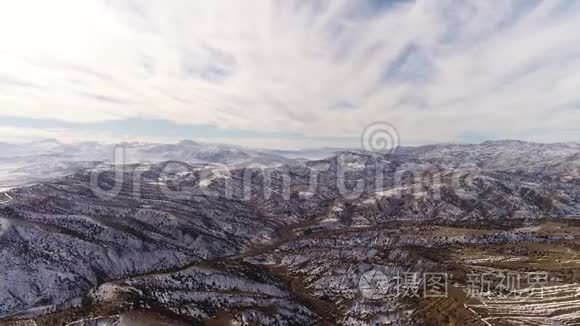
x=438, y=71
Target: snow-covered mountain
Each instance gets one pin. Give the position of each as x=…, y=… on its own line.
x=184, y=151
x=270, y=246
x=559, y=159
x=28, y=163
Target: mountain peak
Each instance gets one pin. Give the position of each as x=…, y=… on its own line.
x=188, y=142
x=47, y=141
x=505, y=142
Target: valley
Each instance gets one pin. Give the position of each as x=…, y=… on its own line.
x=404, y=239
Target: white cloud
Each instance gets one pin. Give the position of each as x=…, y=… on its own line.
x=434, y=69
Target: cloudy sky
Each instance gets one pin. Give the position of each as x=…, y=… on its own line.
x=289, y=74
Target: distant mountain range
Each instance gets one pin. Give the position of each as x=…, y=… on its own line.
x=22, y=164
x=28, y=163
x=186, y=151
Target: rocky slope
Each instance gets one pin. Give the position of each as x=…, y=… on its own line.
x=192, y=241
